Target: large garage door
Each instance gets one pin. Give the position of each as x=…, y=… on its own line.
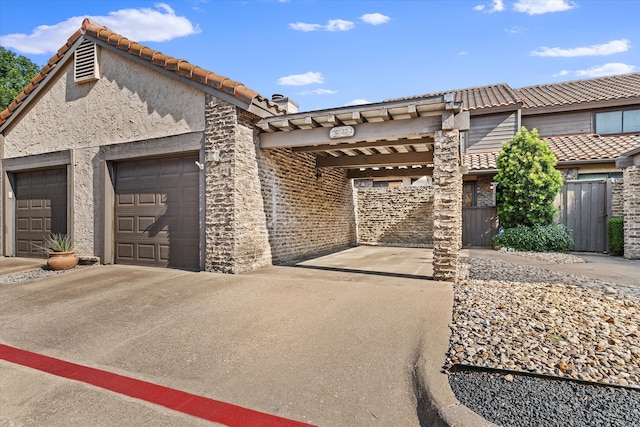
x=41, y=209
x=157, y=212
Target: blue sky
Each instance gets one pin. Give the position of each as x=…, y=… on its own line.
x=325, y=54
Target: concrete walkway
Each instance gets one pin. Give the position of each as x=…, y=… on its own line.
x=596, y=266
x=314, y=342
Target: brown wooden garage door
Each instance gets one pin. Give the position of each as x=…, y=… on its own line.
x=157, y=212
x=41, y=209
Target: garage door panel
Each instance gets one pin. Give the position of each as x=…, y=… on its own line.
x=156, y=214
x=125, y=224
x=125, y=199
x=41, y=208
x=147, y=199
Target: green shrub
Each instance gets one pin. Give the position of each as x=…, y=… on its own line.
x=616, y=236
x=527, y=181
x=537, y=238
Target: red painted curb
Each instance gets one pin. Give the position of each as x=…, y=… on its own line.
x=198, y=406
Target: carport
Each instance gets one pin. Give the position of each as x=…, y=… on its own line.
x=394, y=138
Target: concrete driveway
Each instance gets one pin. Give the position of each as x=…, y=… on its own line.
x=314, y=343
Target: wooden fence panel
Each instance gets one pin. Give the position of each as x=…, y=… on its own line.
x=583, y=209
x=479, y=225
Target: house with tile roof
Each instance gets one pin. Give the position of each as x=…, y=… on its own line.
x=146, y=159
x=586, y=123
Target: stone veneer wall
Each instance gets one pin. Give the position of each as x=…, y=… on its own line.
x=617, y=197
x=401, y=216
x=447, y=226
x=236, y=237
x=264, y=207
x=306, y=214
x=632, y=212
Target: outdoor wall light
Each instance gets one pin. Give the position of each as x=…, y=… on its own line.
x=214, y=156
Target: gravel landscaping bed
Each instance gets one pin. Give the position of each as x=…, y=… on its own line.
x=524, y=318
x=37, y=273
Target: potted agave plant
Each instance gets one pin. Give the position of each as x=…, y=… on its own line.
x=61, y=252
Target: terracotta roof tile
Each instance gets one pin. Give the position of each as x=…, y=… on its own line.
x=568, y=149
x=475, y=98
x=581, y=91
x=180, y=66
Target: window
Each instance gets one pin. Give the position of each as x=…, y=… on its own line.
x=618, y=122
x=603, y=175
x=468, y=194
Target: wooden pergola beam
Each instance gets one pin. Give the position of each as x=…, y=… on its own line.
x=375, y=131
x=365, y=144
x=383, y=173
x=375, y=160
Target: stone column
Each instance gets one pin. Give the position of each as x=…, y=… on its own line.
x=632, y=212
x=220, y=127
x=236, y=237
x=447, y=205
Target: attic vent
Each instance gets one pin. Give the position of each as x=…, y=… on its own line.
x=85, y=67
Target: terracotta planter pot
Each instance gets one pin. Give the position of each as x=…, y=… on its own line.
x=62, y=260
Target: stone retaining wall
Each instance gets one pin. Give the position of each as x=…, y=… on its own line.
x=401, y=216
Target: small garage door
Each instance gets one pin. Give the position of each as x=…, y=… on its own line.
x=157, y=212
x=41, y=209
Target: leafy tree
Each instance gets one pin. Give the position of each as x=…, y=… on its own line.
x=16, y=71
x=528, y=181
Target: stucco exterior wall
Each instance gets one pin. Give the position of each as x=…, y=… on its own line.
x=400, y=216
x=128, y=103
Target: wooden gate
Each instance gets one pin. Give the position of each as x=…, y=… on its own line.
x=583, y=209
x=479, y=225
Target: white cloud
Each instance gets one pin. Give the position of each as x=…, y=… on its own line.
x=357, y=102
x=302, y=26
x=462, y=53
x=332, y=25
x=561, y=73
x=142, y=24
x=374, y=18
x=339, y=25
x=609, y=69
x=496, y=6
x=301, y=79
x=515, y=30
x=318, y=92
x=614, y=46
x=538, y=7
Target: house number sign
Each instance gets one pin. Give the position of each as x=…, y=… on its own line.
x=341, y=132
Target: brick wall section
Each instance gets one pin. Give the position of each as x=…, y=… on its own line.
x=447, y=205
x=617, y=197
x=401, y=216
x=306, y=215
x=632, y=212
